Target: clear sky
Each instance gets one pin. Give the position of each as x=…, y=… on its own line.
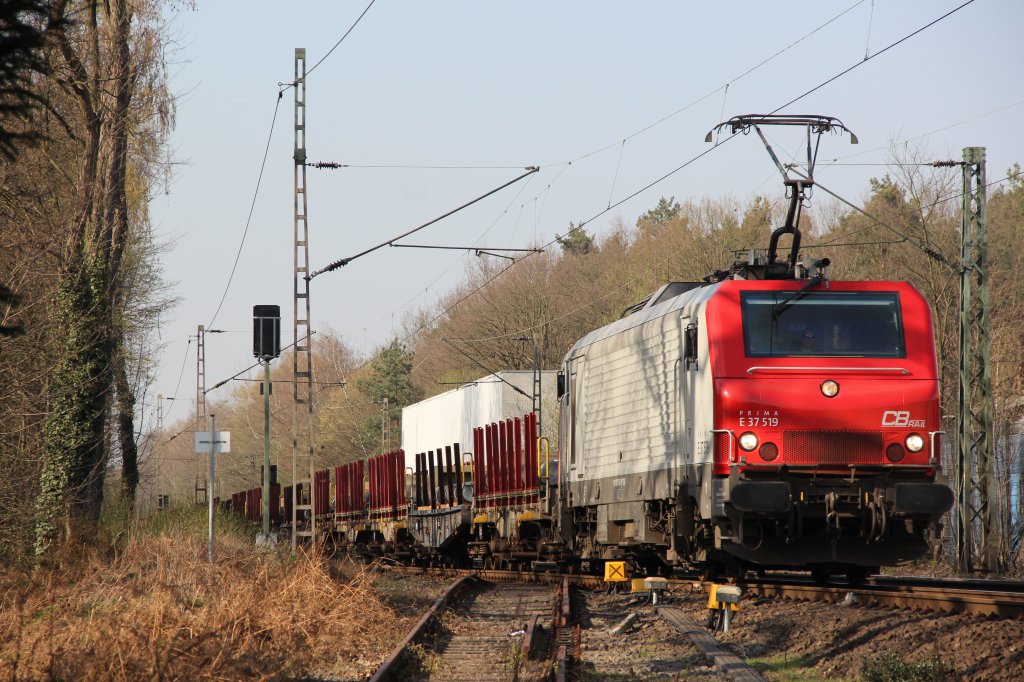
x=515, y=84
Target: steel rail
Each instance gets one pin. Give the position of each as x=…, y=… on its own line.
x=937, y=595
x=391, y=668
x=999, y=598
x=537, y=646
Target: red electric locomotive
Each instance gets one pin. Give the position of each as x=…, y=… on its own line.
x=766, y=418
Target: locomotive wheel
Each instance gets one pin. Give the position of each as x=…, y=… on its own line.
x=858, y=575
x=820, y=575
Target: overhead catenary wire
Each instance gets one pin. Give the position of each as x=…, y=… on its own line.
x=224, y=381
x=484, y=367
x=341, y=39
x=337, y=165
x=835, y=160
x=567, y=164
x=263, y=164
x=444, y=272
x=832, y=242
x=931, y=252
x=177, y=386
x=575, y=228
x=252, y=207
x=725, y=86
x=461, y=248
x=867, y=40
x=692, y=160
x=876, y=54
x=345, y=261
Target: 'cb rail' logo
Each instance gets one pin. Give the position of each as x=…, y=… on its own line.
x=896, y=418
x=900, y=418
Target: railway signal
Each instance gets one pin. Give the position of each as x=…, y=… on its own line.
x=266, y=345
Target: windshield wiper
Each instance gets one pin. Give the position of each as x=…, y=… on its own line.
x=781, y=306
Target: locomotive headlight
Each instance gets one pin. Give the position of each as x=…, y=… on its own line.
x=914, y=442
x=829, y=388
x=748, y=441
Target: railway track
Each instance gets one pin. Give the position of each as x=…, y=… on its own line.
x=484, y=630
x=512, y=626
x=999, y=598
x=1003, y=599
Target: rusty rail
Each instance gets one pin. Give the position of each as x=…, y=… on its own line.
x=390, y=669
x=940, y=595
x=1003, y=599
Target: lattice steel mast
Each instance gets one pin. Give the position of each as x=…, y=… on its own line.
x=975, y=454
x=302, y=357
x=200, y=478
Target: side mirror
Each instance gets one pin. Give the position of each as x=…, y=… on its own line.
x=561, y=384
x=690, y=346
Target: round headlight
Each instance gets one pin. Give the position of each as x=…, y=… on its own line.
x=829, y=388
x=914, y=442
x=748, y=441
x=894, y=452
x=769, y=451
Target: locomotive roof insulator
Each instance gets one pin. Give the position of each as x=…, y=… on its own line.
x=814, y=267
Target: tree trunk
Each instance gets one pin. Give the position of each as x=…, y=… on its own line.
x=75, y=449
x=126, y=434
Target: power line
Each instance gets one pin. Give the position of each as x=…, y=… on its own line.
x=345, y=261
x=567, y=164
x=692, y=160
x=337, y=165
x=719, y=88
x=571, y=230
x=174, y=398
x=867, y=59
x=835, y=161
x=356, y=23
x=221, y=383
x=252, y=207
x=935, y=255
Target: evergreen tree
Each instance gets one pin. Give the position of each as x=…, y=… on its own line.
x=390, y=378
x=22, y=37
x=576, y=242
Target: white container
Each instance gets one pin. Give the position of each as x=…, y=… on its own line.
x=450, y=417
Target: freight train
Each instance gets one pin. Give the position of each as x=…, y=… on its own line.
x=744, y=423
x=767, y=417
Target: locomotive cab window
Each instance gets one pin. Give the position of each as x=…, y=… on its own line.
x=780, y=324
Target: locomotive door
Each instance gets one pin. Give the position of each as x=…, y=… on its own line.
x=685, y=373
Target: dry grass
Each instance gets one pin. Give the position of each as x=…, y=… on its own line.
x=159, y=610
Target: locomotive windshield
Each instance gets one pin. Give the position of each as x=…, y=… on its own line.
x=822, y=324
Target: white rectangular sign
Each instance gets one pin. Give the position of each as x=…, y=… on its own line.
x=223, y=441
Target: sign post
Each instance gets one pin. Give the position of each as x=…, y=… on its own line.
x=211, y=488
x=208, y=442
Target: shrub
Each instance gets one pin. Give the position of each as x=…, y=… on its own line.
x=890, y=667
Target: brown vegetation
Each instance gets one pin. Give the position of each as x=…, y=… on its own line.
x=159, y=610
